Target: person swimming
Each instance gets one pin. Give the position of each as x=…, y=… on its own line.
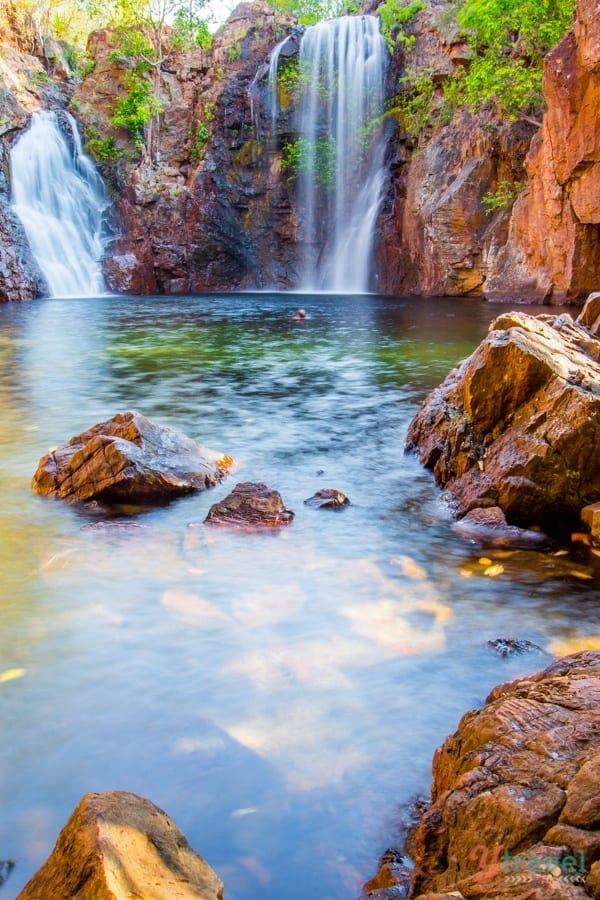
x=300, y=314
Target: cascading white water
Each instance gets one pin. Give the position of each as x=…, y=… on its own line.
x=273, y=67
x=340, y=150
x=59, y=197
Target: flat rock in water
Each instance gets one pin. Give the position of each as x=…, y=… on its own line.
x=515, y=808
x=327, y=498
x=117, y=846
x=128, y=459
x=250, y=505
x=489, y=528
x=517, y=424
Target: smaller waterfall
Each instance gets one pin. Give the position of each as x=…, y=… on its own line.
x=59, y=196
x=273, y=68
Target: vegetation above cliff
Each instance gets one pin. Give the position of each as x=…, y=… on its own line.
x=506, y=40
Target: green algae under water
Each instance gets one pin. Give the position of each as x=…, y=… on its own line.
x=280, y=696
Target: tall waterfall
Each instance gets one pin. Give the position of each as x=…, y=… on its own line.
x=340, y=150
x=59, y=197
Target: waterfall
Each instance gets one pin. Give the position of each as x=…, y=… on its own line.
x=59, y=197
x=340, y=150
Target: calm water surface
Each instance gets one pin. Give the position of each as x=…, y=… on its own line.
x=280, y=696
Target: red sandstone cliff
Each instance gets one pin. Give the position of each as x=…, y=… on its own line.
x=436, y=237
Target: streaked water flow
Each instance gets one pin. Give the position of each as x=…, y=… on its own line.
x=280, y=696
x=59, y=196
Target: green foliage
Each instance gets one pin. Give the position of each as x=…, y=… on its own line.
x=200, y=140
x=509, y=39
x=234, y=52
x=317, y=158
x=414, y=106
x=503, y=196
x=134, y=110
x=308, y=12
x=190, y=31
x=103, y=149
x=393, y=15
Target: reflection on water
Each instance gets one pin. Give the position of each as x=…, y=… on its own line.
x=279, y=695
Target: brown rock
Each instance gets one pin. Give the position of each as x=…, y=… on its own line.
x=117, y=846
x=516, y=425
x=128, y=458
x=589, y=316
x=590, y=516
x=592, y=882
x=327, y=498
x=500, y=788
x=582, y=808
x=250, y=505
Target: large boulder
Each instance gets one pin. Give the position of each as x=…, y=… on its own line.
x=517, y=424
x=117, y=846
x=515, y=801
x=250, y=505
x=128, y=458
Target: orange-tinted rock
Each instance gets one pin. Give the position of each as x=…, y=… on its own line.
x=117, y=846
x=517, y=424
x=501, y=785
x=128, y=459
x=250, y=505
x=554, y=243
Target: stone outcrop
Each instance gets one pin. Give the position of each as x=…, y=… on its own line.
x=250, y=505
x=553, y=249
x=517, y=424
x=116, y=846
x=128, y=459
x=515, y=800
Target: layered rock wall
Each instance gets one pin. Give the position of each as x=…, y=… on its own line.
x=213, y=210
x=436, y=236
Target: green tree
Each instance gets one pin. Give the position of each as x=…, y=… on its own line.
x=147, y=33
x=508, y=40
x=308, y=12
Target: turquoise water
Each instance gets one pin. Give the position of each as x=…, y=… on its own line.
x=280, y=696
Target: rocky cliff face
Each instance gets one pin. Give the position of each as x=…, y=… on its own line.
x=214, y=212
x=436, y=236
x=554, y=240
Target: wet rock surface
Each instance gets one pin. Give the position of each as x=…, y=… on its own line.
x=116, y=846
x=128, y=459
x=517, y=424
x=251, y=505
x=515, y=808
x=327, y=498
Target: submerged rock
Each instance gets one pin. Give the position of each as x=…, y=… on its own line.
x=517, y=424
x=327, y=498
x=116, y=846
x=489, y=528
x=128, y=459
x=515, y=808
x=250, y=505
x=511, y=646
